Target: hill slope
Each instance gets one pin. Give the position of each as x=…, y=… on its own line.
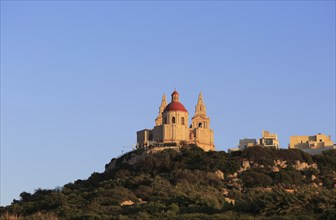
x=192, y=184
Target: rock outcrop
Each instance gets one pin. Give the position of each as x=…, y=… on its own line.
x=127, y=202
x=298, y=165
x=280, y=163
x=130, y=158
x=219, y=174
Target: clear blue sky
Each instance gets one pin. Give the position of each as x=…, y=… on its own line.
x=78, y=79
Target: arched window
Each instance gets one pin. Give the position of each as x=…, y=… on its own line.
x=182, y=121
x=165, y=120
x=173, y=120
x=200, y=124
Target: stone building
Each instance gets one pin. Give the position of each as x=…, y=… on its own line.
x=171, y=126
x=269, y=140
x=246, y=142
x=311, y=144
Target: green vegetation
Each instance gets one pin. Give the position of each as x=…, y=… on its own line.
x=189, y=185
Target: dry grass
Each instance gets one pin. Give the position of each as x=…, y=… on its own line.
x=37, y=216
x=8, y=216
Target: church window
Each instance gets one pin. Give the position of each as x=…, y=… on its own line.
x=200, y=124
x=173, y=120
x=165, y=120
x=182, y=120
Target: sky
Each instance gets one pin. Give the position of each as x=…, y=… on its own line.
x=79, y=78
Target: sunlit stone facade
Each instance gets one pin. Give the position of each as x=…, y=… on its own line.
x=171, y=126
x=269, y=140
x=312, y=142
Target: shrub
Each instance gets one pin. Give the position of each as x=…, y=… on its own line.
x=251, y=178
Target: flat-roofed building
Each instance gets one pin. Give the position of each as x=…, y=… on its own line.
x=247, y=142
x=311, y=144
x=269, y=140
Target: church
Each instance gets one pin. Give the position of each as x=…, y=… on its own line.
x=171, y=126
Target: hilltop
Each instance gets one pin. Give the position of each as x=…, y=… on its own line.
x=256, y=183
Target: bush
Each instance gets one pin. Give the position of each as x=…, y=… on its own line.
x=251, y=178
x=183, y=185
x=288, y=177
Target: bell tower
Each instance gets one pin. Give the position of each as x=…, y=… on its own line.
x=201, y=133
x=200, y=108
x=158, y=120
x=200, y=119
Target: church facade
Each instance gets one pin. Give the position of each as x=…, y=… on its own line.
x=171, y=126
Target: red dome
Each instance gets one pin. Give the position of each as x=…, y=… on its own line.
x=175, y=106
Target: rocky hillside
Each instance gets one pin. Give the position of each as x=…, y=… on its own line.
x=192, y=184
